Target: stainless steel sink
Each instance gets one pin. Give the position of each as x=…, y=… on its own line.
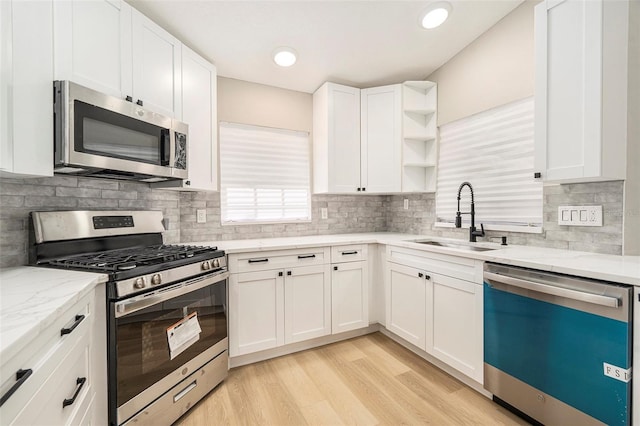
x=454, y=245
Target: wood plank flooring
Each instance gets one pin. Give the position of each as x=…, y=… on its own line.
x=367, y=380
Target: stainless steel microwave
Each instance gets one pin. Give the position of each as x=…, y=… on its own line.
x=104, y=136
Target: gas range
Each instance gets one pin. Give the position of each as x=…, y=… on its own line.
x=127, y=246
x=166, y=307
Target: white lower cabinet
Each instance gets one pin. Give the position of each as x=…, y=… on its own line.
x=63, y=368
x=457, y=324
x=256, y=311
x=287, y=302
x=434, y=302
x=349, y=296
x=307, y=303
x=406, y=304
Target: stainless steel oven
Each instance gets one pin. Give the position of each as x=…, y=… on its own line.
x=167, y=347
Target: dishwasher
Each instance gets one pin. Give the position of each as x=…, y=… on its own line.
x=558, y=348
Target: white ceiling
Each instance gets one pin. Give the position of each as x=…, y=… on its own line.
x=358, y=43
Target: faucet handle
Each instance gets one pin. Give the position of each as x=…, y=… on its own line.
x=478, y=233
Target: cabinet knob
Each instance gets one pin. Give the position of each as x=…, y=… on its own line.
x=364, y=189
x=187, y=182
x=280, y=274
x=420, y=275
x=288, y=272
x=335, y=268
x=139, y=102
x=537, y=175
x=359, y=189
x=128, y=99
x=428, y=277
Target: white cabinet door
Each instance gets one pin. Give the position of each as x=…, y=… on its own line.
x=336, y=134
x=381, y=138
x=26, y=92
x=581, y=90
x=256, y=314
x=457, y=324
x=406, y=304
x=199, y=100
x=92, y=44
x=349, y=296
x=307, y=303
x=156, y=67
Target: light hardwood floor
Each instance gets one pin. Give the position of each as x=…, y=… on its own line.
x=367, y=380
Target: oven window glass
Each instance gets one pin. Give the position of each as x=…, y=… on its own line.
x=143, y=356
x=106, y=133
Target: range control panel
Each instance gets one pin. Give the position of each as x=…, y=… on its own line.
x=107, y=222
x=580, y=215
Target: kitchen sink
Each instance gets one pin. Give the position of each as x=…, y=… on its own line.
x=454, y=245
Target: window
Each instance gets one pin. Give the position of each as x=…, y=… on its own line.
x=494, y=151
x=264, y=174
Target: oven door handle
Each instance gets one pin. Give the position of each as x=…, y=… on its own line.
x=136, y=303
x=553, y=290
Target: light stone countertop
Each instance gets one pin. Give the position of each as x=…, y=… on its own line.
x=31, y=298
x=620, y=269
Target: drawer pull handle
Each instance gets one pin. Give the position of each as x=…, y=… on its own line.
x=177, y=397
x=76, y=323
x=80, y=381
x=258, y=260
x=306, y=256
x=21, y=377
x=344, y=253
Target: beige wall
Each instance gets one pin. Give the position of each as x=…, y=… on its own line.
x=497, y=68
x=251, y=103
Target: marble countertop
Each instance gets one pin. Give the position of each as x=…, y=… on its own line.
x=621, y=269
x=31, y=298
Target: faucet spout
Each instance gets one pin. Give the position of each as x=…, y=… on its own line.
x=473, y=233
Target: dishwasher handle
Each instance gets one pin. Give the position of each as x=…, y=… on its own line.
x=553, y=290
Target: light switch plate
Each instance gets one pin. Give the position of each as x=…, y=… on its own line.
x=201, y=215
x=580, y=215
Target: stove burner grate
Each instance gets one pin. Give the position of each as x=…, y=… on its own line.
x=130, y=258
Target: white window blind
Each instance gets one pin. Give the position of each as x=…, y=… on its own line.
x=492, y=150
x=264, y=174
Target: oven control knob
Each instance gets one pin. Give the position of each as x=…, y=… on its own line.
x=156, y=279
x=205, y=265
x=139, y=283
x=216, y=263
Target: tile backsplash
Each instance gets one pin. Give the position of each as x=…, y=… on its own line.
x=346, y=214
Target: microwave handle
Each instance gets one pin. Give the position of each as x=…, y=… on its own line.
x=165, y=148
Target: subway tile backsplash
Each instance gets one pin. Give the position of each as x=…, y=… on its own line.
x=346, y=214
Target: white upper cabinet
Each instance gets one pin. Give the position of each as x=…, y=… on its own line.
x=581, y=90
x=110, y=47
x=156, y=67
x=336, y=139
x=26, y=93
x=199, y=111
x=356, y=139
x=92, y=43
x=381, y=132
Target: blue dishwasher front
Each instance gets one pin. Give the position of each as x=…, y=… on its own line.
x=562, y=343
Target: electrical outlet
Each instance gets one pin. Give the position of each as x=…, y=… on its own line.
x=201, y=216
x=324, y=213
x=406, y=204
x=580, y=215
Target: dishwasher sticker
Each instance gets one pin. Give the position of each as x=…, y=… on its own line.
x=183, y=334
x=618, y=373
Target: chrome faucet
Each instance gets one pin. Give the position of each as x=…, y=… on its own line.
x=473, y=233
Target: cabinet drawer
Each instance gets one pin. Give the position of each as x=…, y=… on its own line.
x=69, y=384
x=265, y=260
x=451, y=266
x=42, y=356
x=350, y=253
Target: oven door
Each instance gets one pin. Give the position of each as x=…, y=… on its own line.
x=159, y=338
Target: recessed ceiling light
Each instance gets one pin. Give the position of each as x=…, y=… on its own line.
x=284, y=56
x=435, y=14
